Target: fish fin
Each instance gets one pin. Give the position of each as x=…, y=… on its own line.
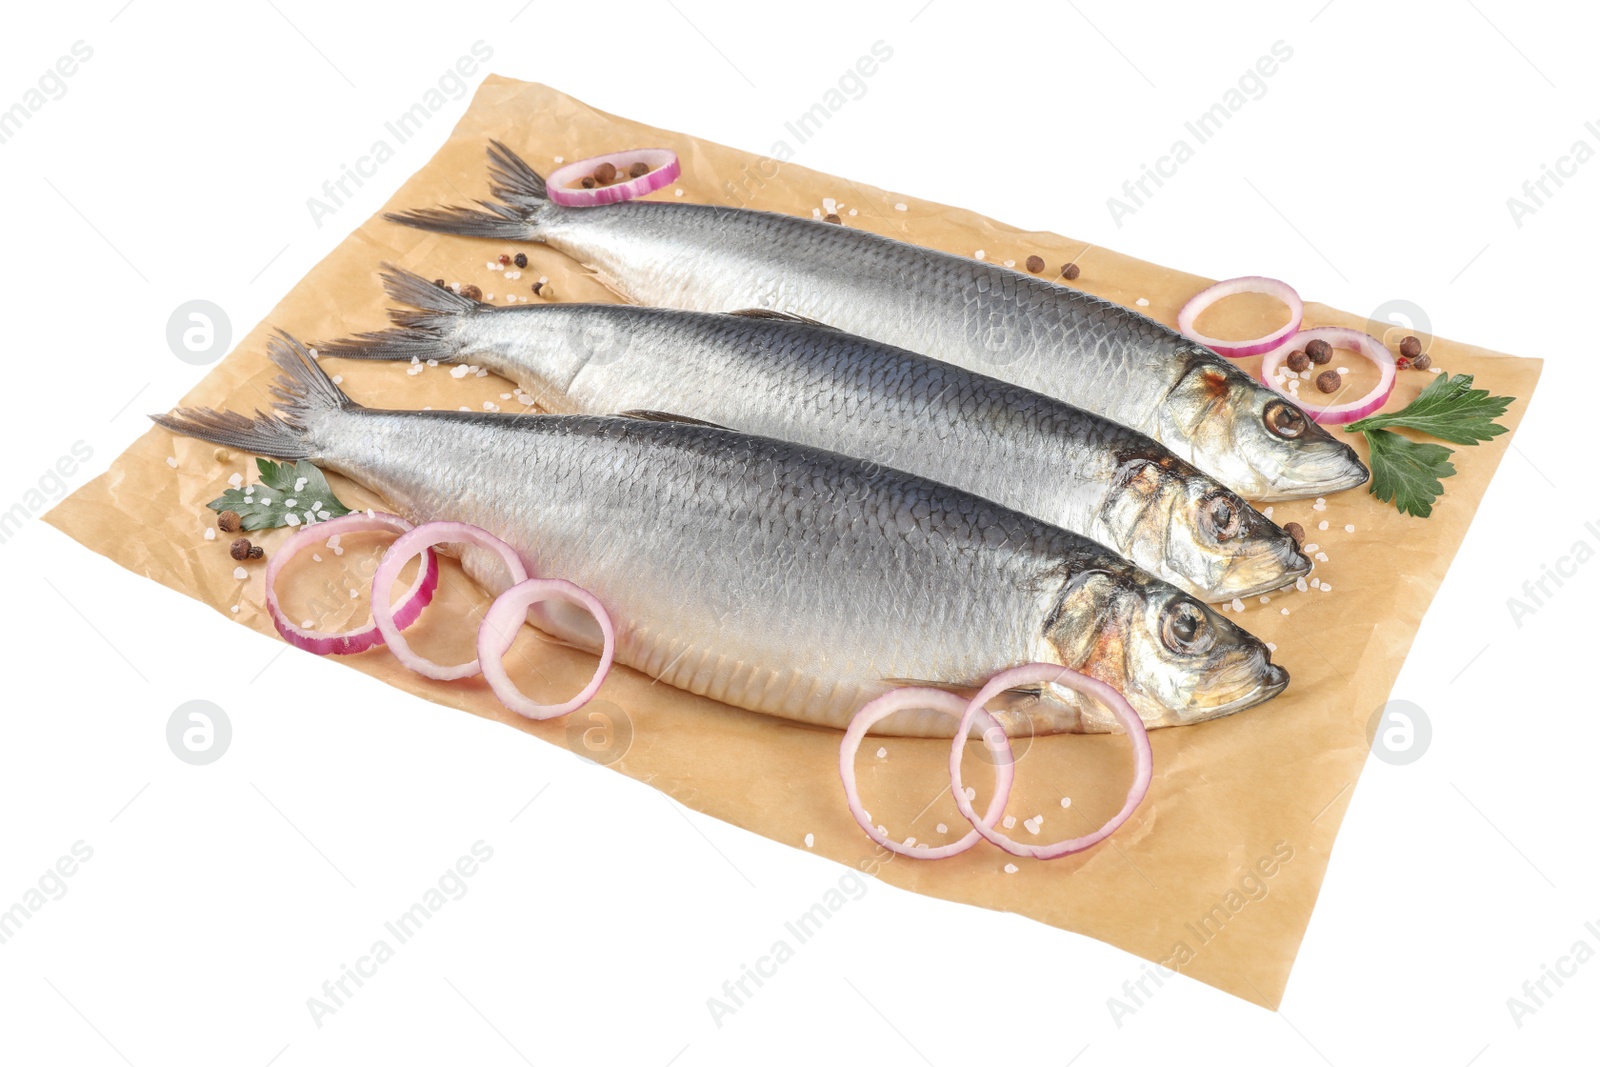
x=303, y=391
x=787, y=316
x=1013, y=700
x=423, y=330
x=645, y=415
x=520, y=190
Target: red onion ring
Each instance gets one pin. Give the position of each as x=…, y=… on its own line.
x=409, y=544
x=1338, y=337
x=499, y=629
x=664, y=170
x=320, y=642
x=1049, y=672
x=1233, y=286
x=938, y=700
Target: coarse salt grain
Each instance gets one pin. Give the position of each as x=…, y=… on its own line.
x=308, y=624
x=677, y=192
x=211, y=533
x=1266, y=600
x=463, y=407
x=1271, y=647
x=1323, y=525
x=1326, y=588
x=1011, y=263
x=1142, y=302
x=505, y=396
x=1300, y=584
x=1312, y=547
x=316, y=557
x=1034, y=823
x=240, y=574
x=1011, y=868
x=1010, y=821
x=1283, y=611
x=354, y=593
x=1238, y=605
x=291, y=502
x=852, y=211
x=1319, y=506
x=458, y=371
x=911, y=842
x=172, y=461
x=1344, y=370
x=1066, y=802
x=1349, y=529
x=811, y=839
x=979, y=254
x=883, y=753
x=972, y=794
x=235, y=479
x=291, y=518
x=1268, y=512
x=1322, y=557
x=234, y=609
x=942, y=828
x=897, y=207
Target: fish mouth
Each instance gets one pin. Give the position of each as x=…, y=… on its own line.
x=1321, y=468
x=1277, y=565
x=1274, y=680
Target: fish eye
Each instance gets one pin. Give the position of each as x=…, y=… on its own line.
x=1185, y=629
x=1220, y=512
x=1284, y=419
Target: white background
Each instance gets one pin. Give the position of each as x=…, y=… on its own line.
x=177, y=166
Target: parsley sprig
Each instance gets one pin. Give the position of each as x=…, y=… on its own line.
x=285, y=489
x=1410, y=473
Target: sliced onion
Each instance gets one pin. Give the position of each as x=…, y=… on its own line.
x=664, y=170
x=1190, y=312
x=955, y=707
x=1338, y=337
x=505, y=618
x=1030, y=674
x=409, y=544
x=412, y=601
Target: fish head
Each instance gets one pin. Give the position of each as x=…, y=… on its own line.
x=1175, y=660
x=1251, y=438
x=1182, y=526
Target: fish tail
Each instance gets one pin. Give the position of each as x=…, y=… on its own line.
x=302, y=394
x=424, y=330
x=518, y=188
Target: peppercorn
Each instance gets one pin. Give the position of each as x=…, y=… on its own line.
x=1328, y=381
x=1296, y=531
x=537, y=286
x=256, y=552
x=639, y=169
x=1298, y=360
x=1320, y=351
x=1070, y=271
x=605, y=173
x=439, y=282
x=520, y=259
x=1411, y=348
x=229, y=522
x=240, y=549
x=1035, y=264
x=504, y=259
x=472, y=292
x=831, y=217
x=1422, y=362
x=588, y=182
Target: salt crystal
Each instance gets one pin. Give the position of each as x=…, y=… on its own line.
x=1344, y=370
x=1011, y=868
x=1312, y=547
x=1011, y=263
x=299, y=485
x=677, y=192
x=1227, y=607
x=1238, y=605
x=1323, y=525
x=1271, y=647
x=480, y=372
x=559, y=159
x=883, y=753
x=1349, y=529
x=458, y=371
x=493, y=265
x=172, y=461
x=235, y=479
x=1319, y=506
x=1266, y=600
x=291, y=502
x=234, y=609
x=354, y=593
x=308, y=624
x=240, y=574
x=338, y=378
x=1142, y=302
x=1322, y=557
x=1010, y=821
x=1066, y=802
x=490, y=405
x=463, y=407
x=292, y=519
x=211, y=533
x=911, y=842
x=897, y=207
x=316, y=557
x=265, y=501
x=433, y=363
x=942, y=828
x=852, y=211
x=488, y=296
x=1322, y=500
x=811, y=839
x=1283, y=611
x=972, y=794
x=1300, y=584
x=1033, y=824
x=830, y=205
x=979, y=254
x=505, y=396
x=1268, y=512
x=1326, y=588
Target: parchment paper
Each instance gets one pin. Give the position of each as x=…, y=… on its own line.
x=1215, y=875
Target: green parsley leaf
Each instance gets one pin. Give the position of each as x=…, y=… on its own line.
x=1449, y=409
x=266, y=505
x=1408, y=472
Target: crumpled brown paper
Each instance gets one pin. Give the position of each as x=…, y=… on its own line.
x=1215, y=875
